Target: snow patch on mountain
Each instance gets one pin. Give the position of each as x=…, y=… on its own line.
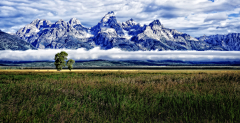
x=108, y=30
x=193, y=39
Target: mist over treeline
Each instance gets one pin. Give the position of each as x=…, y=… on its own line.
x=116, y=54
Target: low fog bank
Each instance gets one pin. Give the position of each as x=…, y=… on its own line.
x=117, y=54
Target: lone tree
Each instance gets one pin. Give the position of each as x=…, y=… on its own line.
x=60, y=60
x=70, y=63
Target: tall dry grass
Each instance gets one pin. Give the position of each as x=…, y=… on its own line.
x=120, y=96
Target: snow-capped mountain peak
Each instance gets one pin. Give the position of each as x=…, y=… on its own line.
x=155, y=22
x=131, y=25
x=107, y=16
x=60, y=23
x=131, y=22
x=35, y=21
x=108, y=21
x=156, y=25
x=74, y=21
x=41, y=23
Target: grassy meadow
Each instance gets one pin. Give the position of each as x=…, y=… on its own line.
x=120, y=96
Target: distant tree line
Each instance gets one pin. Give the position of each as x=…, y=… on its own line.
x=60, y=61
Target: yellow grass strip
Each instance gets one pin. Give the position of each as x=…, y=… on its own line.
x=122, y=70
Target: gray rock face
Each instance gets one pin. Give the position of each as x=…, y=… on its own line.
x=130, y=24
x=12, y=42
x=156, y=37
x=110, y=33
x=42, y=34
x=229, y=42
x=108, y=24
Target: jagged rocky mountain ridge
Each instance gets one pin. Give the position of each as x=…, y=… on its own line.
x=229, y=42
x=109, y=33
x=12, y=42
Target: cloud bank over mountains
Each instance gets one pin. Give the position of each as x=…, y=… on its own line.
x=194, y=17
x=117, y=54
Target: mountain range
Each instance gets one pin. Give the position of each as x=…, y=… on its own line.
x=110, y=33
x=13, y=42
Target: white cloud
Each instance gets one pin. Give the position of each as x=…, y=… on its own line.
x=216, y=16
x=117, y=54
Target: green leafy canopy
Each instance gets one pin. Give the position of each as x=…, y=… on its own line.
x=60, y=61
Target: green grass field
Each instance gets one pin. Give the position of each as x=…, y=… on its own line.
x=120, y=96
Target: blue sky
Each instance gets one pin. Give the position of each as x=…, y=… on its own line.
x=194, y=17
